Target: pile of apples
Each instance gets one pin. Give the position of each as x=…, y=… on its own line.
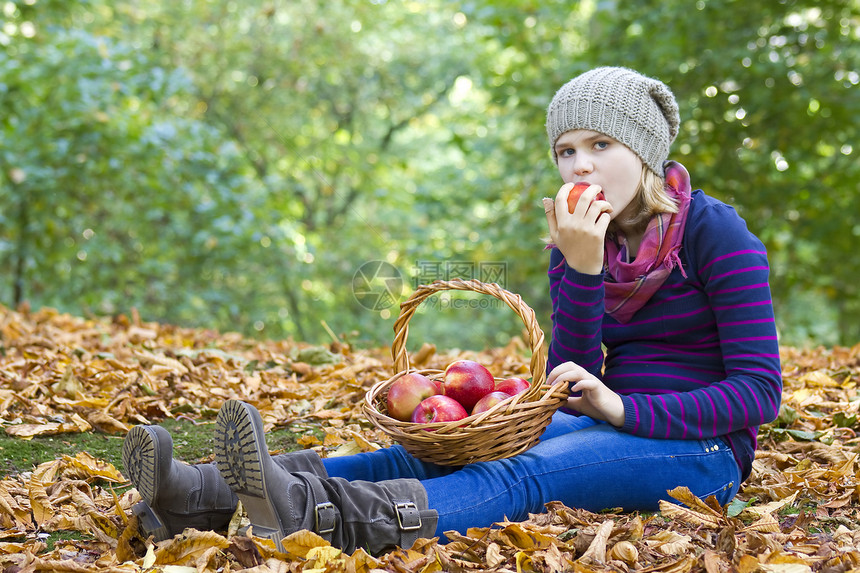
x=467, y=387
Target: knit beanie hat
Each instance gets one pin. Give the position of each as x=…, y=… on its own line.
x=636, y=110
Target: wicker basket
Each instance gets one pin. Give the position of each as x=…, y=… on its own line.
x=509, y=428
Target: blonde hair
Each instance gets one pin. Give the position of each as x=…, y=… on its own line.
x=651, y=198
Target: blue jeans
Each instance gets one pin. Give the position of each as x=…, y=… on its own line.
x=579, y=461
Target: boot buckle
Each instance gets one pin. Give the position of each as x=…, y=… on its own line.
x=325, y=517
x=408, y=516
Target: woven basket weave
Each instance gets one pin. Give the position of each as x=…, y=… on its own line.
x=509, y=428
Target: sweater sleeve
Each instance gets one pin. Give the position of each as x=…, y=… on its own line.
x=577, y=316
x=732, y=268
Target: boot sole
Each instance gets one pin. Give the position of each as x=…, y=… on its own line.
x=241, y=454
x=147, y=453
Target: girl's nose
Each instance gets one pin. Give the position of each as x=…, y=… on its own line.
x=583, y=164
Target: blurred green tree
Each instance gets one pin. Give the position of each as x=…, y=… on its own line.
x=233, y=164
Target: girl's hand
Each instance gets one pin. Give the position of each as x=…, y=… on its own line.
x=579, y=235
x=596, y=400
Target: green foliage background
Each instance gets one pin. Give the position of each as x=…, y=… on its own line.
x=234, y=164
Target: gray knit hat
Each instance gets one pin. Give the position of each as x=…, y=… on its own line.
x=636, y=110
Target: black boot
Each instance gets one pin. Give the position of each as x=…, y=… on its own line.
x=349, y=514
x=177, y=495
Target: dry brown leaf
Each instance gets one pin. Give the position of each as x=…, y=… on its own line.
x=689, y=515
x=186, y=548
x=685, y=496
x=624, y=551
x=682, y=565
x=58, y=371
x=765, y=524
x=596, y=552
x=669, y=542
x=714, y=563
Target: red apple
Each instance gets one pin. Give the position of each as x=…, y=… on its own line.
x=466, y=381
x=512, y=386
x=489, y=401
x=438, y=384
x=407, y=392
x=438, y=409
x=578, y=188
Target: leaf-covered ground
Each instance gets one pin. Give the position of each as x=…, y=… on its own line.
x=62, y=374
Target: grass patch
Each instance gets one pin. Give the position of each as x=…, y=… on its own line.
x=191, y=443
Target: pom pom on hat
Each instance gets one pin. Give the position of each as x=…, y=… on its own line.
x=636, y=110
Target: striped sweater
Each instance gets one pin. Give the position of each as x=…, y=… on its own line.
x=701, y=358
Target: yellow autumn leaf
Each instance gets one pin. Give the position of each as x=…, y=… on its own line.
x=362, y=442
x=818, y=379
x=524, y=562
x=800, y=395
x=323, y=557
x=40, y=505
x=301, y=542
x=308, y=440
x=516, y=535
x=349, y=448
x=84, y=466
x=12, y=514
x=361, y=562
x=124, y=550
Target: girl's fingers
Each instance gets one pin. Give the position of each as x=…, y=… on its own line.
x=549, y=209
x=567, y=371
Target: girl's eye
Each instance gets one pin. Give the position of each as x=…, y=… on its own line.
x=566, y=152
x=601, y=144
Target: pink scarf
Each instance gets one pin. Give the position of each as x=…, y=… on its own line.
x=629, y=285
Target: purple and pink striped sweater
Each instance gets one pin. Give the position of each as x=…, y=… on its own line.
x=701, y=358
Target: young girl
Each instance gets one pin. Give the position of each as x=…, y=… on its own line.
x=669, y=281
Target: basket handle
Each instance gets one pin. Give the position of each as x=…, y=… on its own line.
x=514, y=301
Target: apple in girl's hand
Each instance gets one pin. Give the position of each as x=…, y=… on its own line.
x=438, y=409
x=578, y=188
x=512, y=386
x=489, y=401
x=466, y=381
x=407, y=392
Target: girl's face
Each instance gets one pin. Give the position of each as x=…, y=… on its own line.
x=585, y=155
